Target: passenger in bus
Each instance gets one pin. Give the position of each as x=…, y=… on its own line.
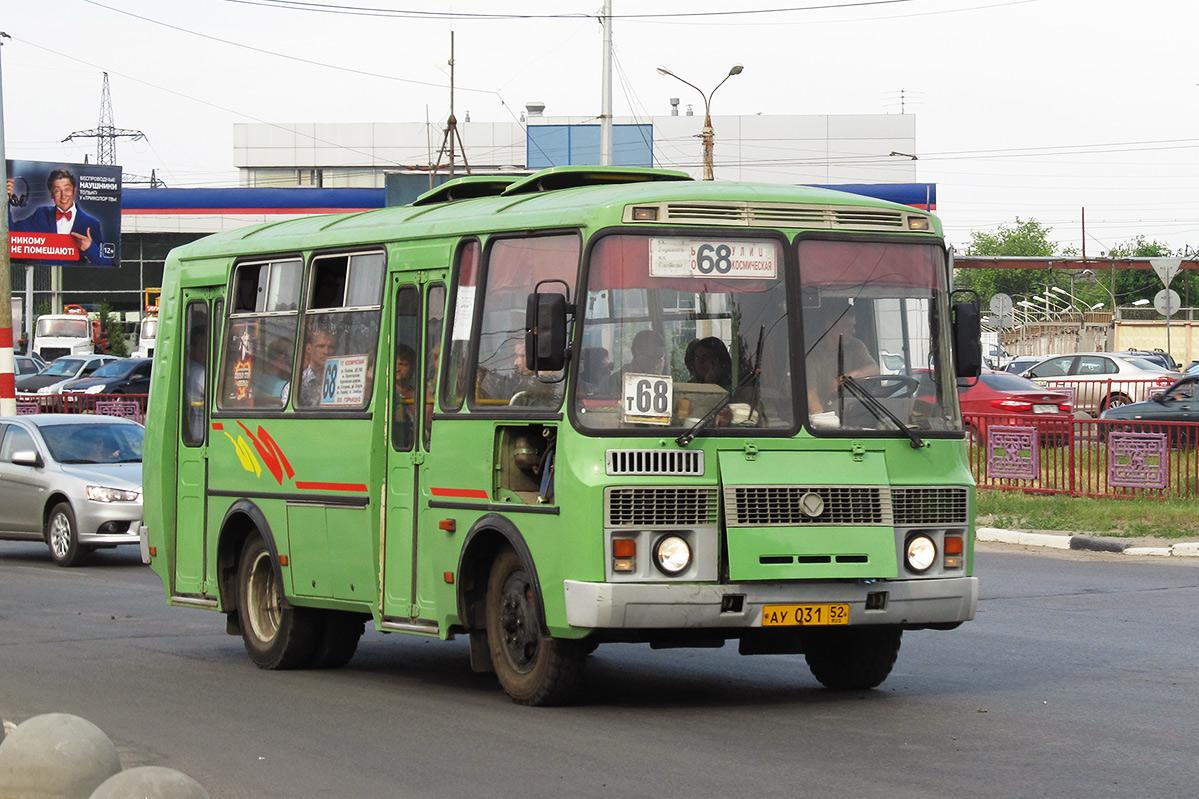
x=320, y=345
x=403, y=396
x=708, y=361
x=273, y=380
x=431, y=381
x=596, y=367
x=520, y=385
x=834, y=343
x=648, y=352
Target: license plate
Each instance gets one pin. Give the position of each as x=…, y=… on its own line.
x=804, y=615
x=1044, y=409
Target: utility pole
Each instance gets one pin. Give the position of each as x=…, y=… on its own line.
x=8, y=363
x=451, y=126
x=606, y=100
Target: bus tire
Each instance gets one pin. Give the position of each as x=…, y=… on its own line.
x=852, y=659
x=276, y=634
x=338, y=640
x=62, y=536
x=533, y=669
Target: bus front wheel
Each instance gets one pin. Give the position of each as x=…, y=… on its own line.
x=534, y=669
x=276, y=634
x=852, y=659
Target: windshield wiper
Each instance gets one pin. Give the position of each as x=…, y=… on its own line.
x=689, y=436
x=879, y=410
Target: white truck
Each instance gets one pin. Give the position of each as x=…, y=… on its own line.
x=69, y=333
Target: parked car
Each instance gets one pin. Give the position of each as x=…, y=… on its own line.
x=1002, y=398
x=1102, y=380
x=69, y=367
x=1159, y=357
x=29, y=365
x=1021, y=363
x=124, y=376
x=73, y=481
x=1178, y=403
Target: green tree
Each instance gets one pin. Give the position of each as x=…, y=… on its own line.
x=114, y=328
x=1136, y=284
x=1026, y=238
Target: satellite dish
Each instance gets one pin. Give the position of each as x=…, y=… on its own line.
x=1001, y=304
x=1167, y=302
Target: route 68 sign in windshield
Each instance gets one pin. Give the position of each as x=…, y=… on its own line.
x=733, y=258
x=647, y=399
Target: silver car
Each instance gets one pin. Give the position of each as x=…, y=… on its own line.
x=71, y=480
x=1102, y=380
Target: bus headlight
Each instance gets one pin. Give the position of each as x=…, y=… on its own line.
x=672, y=555
x=920, y=553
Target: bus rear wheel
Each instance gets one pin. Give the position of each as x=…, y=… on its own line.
x=852, y=659
x=338, y=640
x=533, y=669
x=276, y=634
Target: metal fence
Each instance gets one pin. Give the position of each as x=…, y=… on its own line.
x=1086, y=457
x=129, y=406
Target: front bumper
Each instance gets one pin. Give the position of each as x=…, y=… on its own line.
x=699, y=605
x=97, y=521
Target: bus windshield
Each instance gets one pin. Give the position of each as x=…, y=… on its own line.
x=675, y=327
x=876, y=338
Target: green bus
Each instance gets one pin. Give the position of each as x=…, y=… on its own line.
x=589, y=405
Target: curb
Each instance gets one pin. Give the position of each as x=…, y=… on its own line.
x=1083, y=542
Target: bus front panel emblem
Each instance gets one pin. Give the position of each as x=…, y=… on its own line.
x=811, y=504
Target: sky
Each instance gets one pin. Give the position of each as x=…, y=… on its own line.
x=1053, y=110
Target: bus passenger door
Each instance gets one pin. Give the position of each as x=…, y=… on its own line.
x=194, y=398
x=416, y=338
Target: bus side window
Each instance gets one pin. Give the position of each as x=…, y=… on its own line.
x=341, y=331
x=458, y=362
x=406, y=368
x=434, y=323
x=260, y=336
x=195, y=373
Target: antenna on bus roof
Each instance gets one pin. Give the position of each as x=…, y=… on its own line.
x=451, y=131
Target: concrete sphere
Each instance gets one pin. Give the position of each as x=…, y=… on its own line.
x=55, y=756
x=150, y=782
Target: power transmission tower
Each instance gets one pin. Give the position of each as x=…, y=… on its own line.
x=106, y=134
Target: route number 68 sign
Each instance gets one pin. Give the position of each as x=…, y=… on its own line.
x=647, y=399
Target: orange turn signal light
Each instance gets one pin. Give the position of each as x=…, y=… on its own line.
x=953, y=545
x=624, y=547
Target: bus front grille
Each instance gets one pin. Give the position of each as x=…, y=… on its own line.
x=655, y=462
x=760, y=506
x=649, y=506
x=763, y=506
x=930, y=506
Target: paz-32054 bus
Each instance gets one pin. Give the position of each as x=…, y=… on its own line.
x=588, y=405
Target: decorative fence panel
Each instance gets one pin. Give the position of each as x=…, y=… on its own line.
x=1086, y=457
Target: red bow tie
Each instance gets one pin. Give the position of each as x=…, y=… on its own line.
x=62, y=214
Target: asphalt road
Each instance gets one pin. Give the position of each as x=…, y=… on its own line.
x=1078, y=678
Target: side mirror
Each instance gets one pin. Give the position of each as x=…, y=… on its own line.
x=26, y=457
x=967, y=339
x=545, y=332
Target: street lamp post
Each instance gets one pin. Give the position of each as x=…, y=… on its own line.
x=707, y=134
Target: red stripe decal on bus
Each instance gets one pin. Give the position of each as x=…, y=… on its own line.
x=330, y=486
x=218, y=426
x=464, y=493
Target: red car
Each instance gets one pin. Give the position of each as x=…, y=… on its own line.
x=1002, y=398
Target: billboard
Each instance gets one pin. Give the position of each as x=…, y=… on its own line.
x=64, y=214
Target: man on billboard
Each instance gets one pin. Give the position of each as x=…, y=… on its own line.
x=65, y=217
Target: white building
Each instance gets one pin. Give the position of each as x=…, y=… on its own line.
x=813, y=149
